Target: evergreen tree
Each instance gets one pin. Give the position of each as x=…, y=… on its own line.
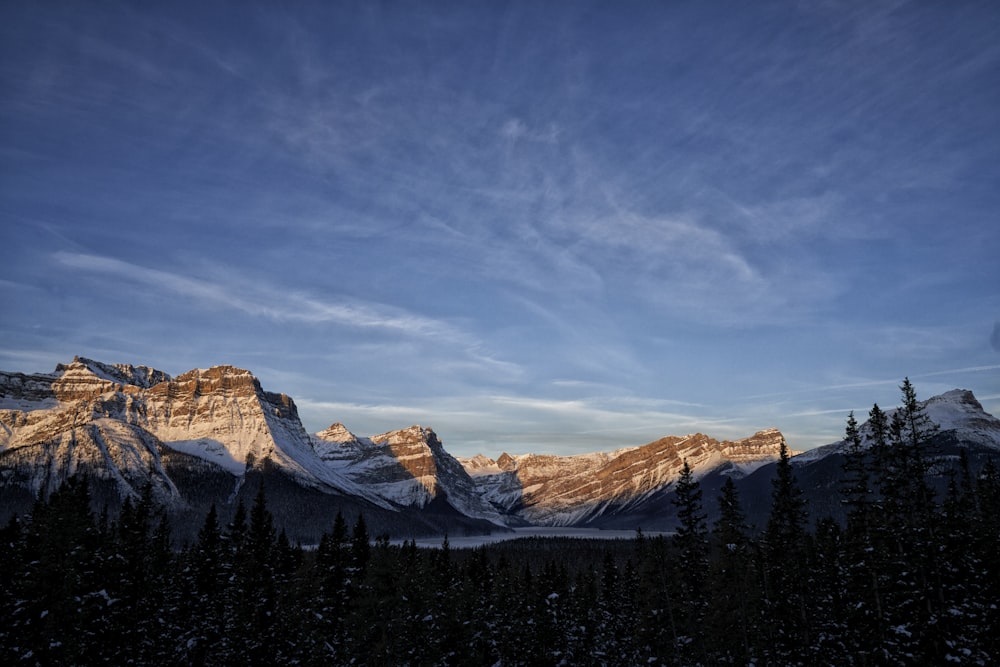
x=863, y=560
x=986, y=528
x=206, y=597
x=785, y=568
x=140, y=563
x=832, y=639
x=654, y=600
x=914, y=569
x=60, y=592
x=857, y=486
x=360, y=546
x=252, y=592
x=691, y=541
x=11, y=567
x=963, y=627
x=732, y=622
x=236, y=531
x=879, y=424
x=692, y=535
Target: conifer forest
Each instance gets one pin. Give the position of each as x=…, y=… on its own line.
x=912, y=577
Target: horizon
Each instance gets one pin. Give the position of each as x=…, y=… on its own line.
x=554, y=228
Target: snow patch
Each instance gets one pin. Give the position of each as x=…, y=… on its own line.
x=212, y=451
x=27, y=405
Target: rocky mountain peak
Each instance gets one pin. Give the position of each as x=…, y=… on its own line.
x=415, y=434
x=337, y=432
x=127, y=374
x=85, y=378
x=506, y=461
x=958, y=408
x=761, y=446
x=416, y=449
x=218, y=378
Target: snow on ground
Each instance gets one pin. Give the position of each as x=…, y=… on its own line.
x=212, y=451
x=26, y=405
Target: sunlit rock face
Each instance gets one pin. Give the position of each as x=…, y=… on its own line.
x=77, y=420
x=115, y=421
x=85, y=378
x=409, y=467
x=568, y=490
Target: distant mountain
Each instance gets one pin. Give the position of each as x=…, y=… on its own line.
x=626, y=488
x=214, y=435
x=962, y=425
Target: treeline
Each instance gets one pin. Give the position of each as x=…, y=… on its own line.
x=910, y=579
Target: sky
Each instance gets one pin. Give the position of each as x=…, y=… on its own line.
x=552, y=227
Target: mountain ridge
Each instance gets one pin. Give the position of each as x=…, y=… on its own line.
x=198, y=437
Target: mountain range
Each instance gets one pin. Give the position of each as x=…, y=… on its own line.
x=213, y=436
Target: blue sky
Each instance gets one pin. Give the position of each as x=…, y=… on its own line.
x=555, y=227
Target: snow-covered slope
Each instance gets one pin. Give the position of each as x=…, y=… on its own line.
x=956, y=413
x=115, y=422
x=409, y=467
x=963, y=428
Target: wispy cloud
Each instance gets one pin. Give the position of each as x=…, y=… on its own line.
x=516, y=130
x=273, y=304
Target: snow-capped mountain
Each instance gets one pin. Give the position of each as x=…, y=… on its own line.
x=213, y=428
x=409, y=467
x=583, y=489
x=962, y=426
x=117, y=418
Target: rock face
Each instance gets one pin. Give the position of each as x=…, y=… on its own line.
x=116, y=420
x=77, y=420
x=574, y=490
x=409, y=467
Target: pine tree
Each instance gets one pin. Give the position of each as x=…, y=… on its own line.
x=692, y=535
x=252, y=593
x=733, y=622
x=205, y=608
x=863, y=560
x=785, y=568
x=963, y=626
x=831, y=635
x=856, y=486
x=909, y=501
x=360, y=546
x=142, y=558
x=11, y=568
x=987, y=530
x=655, y=602
x=691, y=541
x=61, y=590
